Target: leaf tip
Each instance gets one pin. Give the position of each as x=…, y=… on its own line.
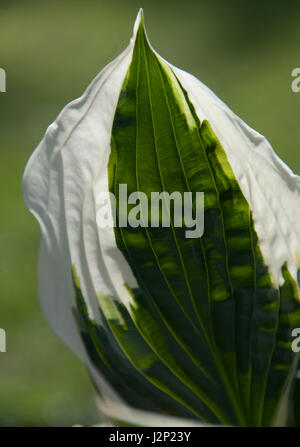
x=139, y=21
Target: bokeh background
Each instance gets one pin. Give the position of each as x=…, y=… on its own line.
x=244, y=50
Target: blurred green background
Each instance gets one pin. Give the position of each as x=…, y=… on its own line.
x=51, y=49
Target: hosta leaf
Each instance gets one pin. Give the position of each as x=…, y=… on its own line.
x=193, y=328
